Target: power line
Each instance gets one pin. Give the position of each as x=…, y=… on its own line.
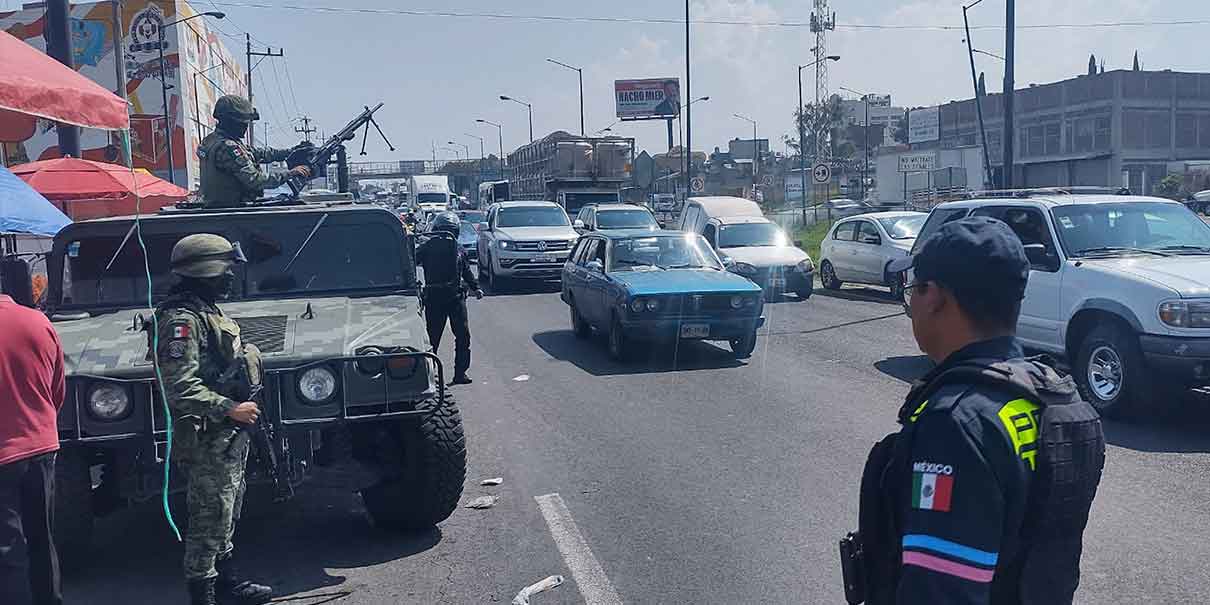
x=290, y=82
x=676, y=21
x=280, y=95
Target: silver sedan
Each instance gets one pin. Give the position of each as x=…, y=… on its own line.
x=858, y=249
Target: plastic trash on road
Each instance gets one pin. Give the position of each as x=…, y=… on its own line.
x=494, y=481
x=522, y=597
x=521, y=378
x=483, y=502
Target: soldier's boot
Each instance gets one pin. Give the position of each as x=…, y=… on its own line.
x=231, y=589
x=201, y=592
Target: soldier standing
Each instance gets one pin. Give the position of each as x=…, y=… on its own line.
x=197, y=344
x=447, y=278
x=231, y=173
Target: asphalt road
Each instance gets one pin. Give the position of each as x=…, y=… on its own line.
x=683, y=477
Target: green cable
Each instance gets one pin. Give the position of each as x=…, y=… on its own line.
x=155, y=342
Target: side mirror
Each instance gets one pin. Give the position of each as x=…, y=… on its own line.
x=871, y=239
x=1038, y=257
x=728, y=261
x=797, y=243
x=485, y=226
x=595, y=266
x=662, y=224
x=578, y=224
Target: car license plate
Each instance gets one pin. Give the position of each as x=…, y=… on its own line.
x=548, y=259
x=777, y=283
x=695, y=330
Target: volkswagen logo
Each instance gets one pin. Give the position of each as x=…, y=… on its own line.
x=541, y=246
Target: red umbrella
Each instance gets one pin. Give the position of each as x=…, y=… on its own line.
x=85, y=189
x=33, y=83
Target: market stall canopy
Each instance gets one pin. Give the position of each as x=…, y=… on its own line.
x=23, y=210
x=34, y=84
x=86, y=189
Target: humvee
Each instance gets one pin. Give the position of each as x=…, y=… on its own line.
x=329, y=295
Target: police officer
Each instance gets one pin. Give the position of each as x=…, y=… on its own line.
x=231, y=172
x=447, y=278
x=196, y=345
x=968, y=503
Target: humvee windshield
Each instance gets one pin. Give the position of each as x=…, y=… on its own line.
x=288, y=254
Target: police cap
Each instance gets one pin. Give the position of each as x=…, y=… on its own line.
x=235, y=108
x=979, y=256
x=204, y=255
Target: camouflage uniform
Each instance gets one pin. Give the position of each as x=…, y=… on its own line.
x=231, y=172
x=197, y=344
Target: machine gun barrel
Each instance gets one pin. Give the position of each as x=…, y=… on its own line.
x=323, y=154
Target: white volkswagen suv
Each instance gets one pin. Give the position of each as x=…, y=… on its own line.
x=524, y=240
x=1120, y=286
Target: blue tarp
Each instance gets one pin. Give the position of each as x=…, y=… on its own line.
x=23, y=210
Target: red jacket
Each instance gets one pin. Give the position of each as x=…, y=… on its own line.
x=31, y=382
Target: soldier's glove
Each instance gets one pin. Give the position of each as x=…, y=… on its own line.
x=478, y=294
x=303, y=172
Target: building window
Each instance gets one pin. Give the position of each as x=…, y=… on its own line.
x=1203, y=131
x=1143, y=129
x=1103, y=136
x=1053, y=139
x=1159, y=130
x=1186, y=131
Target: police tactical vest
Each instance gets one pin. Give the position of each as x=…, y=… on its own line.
x=442, y=270
x=1069, y=457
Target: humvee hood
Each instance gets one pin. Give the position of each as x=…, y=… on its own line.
x=288, y=332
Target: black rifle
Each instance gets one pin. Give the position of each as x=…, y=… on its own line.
x=317, y=158
x=243, y=388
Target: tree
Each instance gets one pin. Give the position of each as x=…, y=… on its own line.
x=824, y=119
x=1136, y=61
x=982, y=89
x=900, y=134
x=1170, y=187
x=1092, y=65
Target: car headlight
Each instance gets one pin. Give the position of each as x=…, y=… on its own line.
x=737, y=302
x=1185, y=314
x=108, y=401
x=806, y=266
x=744, y=268
x=504, y=244
x=317, y=384
x=637, y=305
x=653, y=305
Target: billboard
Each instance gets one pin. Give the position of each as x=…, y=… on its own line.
x=653, y=98
x=924, y=125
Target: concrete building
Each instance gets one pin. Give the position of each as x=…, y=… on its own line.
x=199, y=70
x=882, y=113
x=1118, y=128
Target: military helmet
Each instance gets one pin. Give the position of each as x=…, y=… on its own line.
x=446, y=221
x=204, y=255
x=236, y=108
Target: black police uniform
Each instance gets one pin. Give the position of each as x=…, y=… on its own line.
x=447, y=278
x=983, y=496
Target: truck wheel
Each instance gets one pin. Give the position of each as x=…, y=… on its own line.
x=424, y=485
x=73, y=506
x=827, y=275
x=744, y=346
x=581, y=328
x=1112, y=375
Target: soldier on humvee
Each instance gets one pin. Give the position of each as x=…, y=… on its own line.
x=231, y=173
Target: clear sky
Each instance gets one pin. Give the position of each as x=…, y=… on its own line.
x=437, y=74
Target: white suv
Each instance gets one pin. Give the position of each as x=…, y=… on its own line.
x=1120, y=286
x=524, y=240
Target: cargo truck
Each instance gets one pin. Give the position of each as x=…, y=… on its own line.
x=571, y=171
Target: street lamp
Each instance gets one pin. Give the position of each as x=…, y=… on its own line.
x=687, y=157
x=164, y=84
x=465, y=148
x=482, y=154
x=802, y=138
x=500, y=137
x=608, y=128
x=531, y=113
x=755, y=151
x=579, y=71
x=866, y=136
x=987, y=162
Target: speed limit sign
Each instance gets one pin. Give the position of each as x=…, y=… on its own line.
x=821, y=173
x=697, y=184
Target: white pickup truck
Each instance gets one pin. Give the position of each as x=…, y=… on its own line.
x=1120, y=286
x=524, y=240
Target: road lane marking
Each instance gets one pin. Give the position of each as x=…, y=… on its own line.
x=589, y=575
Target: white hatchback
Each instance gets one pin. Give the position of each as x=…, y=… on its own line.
x=858, y=249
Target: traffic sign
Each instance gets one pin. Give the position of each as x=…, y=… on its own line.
x=767, y=180
x=821, y=173
x=697, y=184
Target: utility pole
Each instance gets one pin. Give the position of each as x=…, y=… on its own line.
x=251, y=53
x=686, y=150
x=1010, y=25
x=306, y=130
x=58, y=45
x=970, y=49
x=119, y=65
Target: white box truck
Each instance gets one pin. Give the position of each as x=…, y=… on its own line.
x=429, y=193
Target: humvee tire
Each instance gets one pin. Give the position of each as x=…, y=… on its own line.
x=73, y=506
x=423, y=468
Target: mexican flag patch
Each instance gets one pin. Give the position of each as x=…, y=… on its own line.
x=181, y=331
x=932, y=491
